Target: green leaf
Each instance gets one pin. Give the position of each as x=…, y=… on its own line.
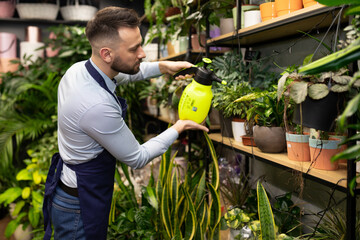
x=18, y=206
x=37, y=199
x=265, y=214
x=10, y=195
x=34, y=217
x=174, y=200
x=318, y=91
x=190, y=223
x=200, y=190
x=215, y=165
x=25, y=192
x=335, y=60
x=281, y=85
x=339, y=88
x=299, y=91
x=353, y=10
x=165, y=211
x=350, y=109
x=215, y=207
x=67, y=53
x=10, y=228
x=352, y=152
x=337, y=2
x=24, y=174
x=151, y=197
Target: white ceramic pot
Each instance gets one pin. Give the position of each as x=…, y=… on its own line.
x=238, y=128
x=21, y=234
x=31, y=49
x=183, y=43
x=251, y=18
x=151, y=51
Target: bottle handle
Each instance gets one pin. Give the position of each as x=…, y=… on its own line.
x=185, y=71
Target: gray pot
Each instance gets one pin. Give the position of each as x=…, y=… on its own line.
x=270, y=139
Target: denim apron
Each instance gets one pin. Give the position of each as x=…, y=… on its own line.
x=95, y=182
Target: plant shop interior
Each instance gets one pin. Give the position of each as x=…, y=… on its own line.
x=276, y=82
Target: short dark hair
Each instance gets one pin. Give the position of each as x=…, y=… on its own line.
x=108, y=20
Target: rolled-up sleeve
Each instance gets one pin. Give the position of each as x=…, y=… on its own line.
x=105, y=125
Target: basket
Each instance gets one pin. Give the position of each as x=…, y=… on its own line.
x=78, y=12
x=46, y=11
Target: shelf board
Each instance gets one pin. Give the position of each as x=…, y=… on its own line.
x=281, y=158
x=316, y=16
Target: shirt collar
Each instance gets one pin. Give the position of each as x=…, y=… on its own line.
x=109, y=83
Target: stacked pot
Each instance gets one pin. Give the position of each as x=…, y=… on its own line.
x=8, y=43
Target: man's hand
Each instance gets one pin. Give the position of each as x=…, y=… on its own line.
x=182, y=125
x=172, y=67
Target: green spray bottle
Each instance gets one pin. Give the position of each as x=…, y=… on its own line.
x=196, y=98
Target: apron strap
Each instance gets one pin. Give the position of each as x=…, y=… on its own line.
x=50, y=185
x=99, y=79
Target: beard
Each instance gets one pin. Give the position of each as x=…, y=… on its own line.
x=120, y=66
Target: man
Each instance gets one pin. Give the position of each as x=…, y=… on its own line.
x=92, y=132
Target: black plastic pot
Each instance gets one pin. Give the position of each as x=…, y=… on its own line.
x=225, y=126
x=320, y=114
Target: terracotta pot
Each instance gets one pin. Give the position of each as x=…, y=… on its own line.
x=298, y=147
x=195, y=44
x=7, y=9
x=321, y=152
x=50, y=52
x=267, y=11
x=308, y=3
x=170, y=48
x=238, y=128
x=248, y=140
x=7, y=65
x=342, y=147
x=270, y=139
x=287, y=6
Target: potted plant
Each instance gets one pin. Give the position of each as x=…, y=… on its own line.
x=224, y=101
x=234, y=71
x=236, y=219
x=267, y=112
x=27, y=196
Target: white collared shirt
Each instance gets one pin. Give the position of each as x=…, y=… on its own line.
x=89, y=120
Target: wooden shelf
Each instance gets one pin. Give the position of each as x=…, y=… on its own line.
x=306, y=19
x=333, y=177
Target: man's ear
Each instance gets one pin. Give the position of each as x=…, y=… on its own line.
x=106, y=55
